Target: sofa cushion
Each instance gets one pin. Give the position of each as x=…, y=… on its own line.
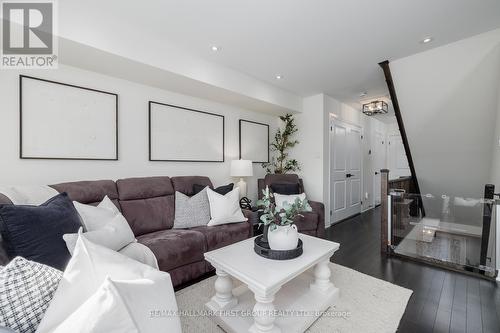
x=188, y=273
x=226, y=234
x=185, y=184
x=147, y=203
x=89, y=192
x=175, y=247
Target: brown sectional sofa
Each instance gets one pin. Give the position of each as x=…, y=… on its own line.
x=148, y=204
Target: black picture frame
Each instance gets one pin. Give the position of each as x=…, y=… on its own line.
x=255, y=123
x=21, y=156
x=189, y=110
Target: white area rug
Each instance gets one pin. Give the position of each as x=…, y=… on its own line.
x=367, y=305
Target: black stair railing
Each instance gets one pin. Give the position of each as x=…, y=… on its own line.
x=402, y=131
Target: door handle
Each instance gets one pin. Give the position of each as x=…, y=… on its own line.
x=348, y=175
x=376, y=172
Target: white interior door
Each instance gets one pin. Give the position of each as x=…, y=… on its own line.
x=345, y=170
x=379, y=157
x=397, y=161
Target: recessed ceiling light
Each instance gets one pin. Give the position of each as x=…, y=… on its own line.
x=279, y=77
x=363, y=94
x=426, y=40
x=215, y=48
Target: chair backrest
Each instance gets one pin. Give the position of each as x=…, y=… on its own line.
x=278, y=178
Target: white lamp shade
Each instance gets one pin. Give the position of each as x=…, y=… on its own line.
x=241, y=168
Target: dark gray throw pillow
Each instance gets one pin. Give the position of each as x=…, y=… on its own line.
x=35, y=232
x=191, y=211
x=285, y=188
x=223, y=190
x=26, y=289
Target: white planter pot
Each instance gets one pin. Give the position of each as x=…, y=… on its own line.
x=283, y=237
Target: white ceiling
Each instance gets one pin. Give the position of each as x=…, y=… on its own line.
x=329, y=46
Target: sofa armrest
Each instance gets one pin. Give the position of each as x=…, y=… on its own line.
x=319, y=208
x=252, y=219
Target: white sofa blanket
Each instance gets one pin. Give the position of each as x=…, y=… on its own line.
x=28, y=195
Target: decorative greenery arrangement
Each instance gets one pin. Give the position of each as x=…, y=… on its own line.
x=272, y=217
x=282, y=143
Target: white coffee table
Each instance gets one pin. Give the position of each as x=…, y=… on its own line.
x=272, y=288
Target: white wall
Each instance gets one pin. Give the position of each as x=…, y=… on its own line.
x=449, y=103
x=133, y=134
x=310, y=151
x=393, y=155
x=495, y=165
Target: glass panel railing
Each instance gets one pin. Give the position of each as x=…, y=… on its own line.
x=453, y=231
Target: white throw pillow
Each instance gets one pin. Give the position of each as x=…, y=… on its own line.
x=90, y=265
x=104, y=225
x=281, y=199
x=92, y=216
x=225, y=208
x=105, y=311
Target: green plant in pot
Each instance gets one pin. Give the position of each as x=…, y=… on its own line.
x=279, y=227
x=284, y=140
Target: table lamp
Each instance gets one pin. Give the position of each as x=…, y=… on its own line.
x=241, y=168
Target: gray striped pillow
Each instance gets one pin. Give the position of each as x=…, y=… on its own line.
x=191, y=211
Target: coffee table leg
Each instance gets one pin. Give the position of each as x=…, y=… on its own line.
x=224, y=291
x=263, y=315
x=322, y=276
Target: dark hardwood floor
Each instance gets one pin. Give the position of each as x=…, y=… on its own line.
x=442, y=300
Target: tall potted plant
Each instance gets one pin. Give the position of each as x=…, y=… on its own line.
x=279, y=224
x=283, y=142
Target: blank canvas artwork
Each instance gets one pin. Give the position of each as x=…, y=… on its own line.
x=254, y=141
x=61, y=121
x=182, y=134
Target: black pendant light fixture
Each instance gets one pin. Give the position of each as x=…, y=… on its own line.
x=375, y=107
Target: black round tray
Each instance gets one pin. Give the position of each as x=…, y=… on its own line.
x=263, y=250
